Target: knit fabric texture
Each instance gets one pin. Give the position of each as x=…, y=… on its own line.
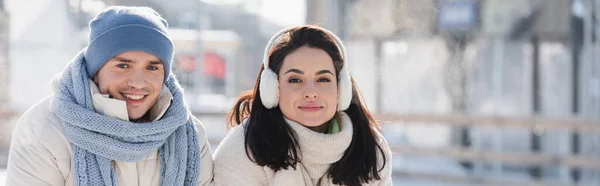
x=318, y=151
x=98, y=139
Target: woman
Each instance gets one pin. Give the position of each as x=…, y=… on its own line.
x=305, y=122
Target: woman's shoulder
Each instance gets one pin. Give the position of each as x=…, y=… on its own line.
x=382, y=142
x=380, y=138
x=232, y=166
x=384, y=159
x=234, y=140
x=233, y=147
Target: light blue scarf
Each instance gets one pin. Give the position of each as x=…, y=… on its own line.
x=98, y=139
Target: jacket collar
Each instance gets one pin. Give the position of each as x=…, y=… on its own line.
x=118, y=108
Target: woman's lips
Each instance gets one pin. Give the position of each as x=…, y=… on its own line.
x=310, y=108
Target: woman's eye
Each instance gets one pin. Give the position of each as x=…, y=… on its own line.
x=294, y=80
x=324, y=80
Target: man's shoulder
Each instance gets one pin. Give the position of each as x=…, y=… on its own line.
x=200, y=130
x=39, y=123
x=37, y=115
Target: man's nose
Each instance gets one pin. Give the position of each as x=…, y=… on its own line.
x=137, y=80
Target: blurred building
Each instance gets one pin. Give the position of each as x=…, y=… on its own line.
x=329, y=14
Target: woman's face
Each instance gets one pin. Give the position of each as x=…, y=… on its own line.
x=308, y=87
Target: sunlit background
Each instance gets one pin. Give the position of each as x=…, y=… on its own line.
x=468, y=92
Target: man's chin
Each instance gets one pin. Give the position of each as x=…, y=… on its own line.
x=136, y=117
x=132, y=118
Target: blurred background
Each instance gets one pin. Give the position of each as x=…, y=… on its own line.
x=468, y=92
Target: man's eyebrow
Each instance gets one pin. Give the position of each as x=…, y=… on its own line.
x=124, y=60
x=156, y=63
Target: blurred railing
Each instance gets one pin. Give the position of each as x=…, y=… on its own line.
x=509, y=158
x=535, y=123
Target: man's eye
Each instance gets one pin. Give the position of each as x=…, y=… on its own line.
x=123, y=65
x=152, y=68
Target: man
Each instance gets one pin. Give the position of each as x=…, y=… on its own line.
x=117, y=115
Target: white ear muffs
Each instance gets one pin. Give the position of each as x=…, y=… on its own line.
x=269, y=84
x=269, y=88
x=344, y=88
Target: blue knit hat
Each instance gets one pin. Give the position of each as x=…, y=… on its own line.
x=120, y=29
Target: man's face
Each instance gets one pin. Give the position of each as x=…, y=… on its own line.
x=134, y=77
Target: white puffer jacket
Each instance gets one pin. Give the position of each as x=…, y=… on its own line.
x=40, y=154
